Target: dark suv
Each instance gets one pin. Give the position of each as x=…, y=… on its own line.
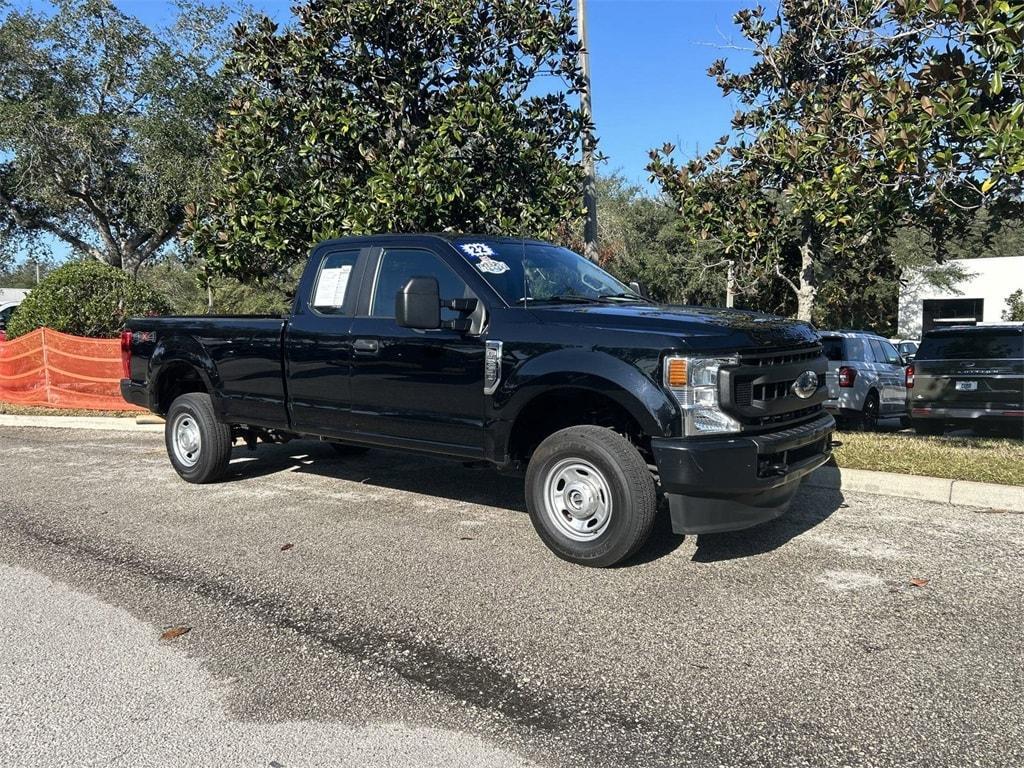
x=969, y=377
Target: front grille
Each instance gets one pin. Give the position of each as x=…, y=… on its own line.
x=772, y=391
x=780, y=418
x=780, y=358
x=759, y=388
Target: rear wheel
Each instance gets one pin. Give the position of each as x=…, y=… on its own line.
x=869, y=413
x=591, y=496
x=198, y=445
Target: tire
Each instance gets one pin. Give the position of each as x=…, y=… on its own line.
x=933, y=428
x=347, y=449
x=599, y=474
x=198, y=445
x=868, y=421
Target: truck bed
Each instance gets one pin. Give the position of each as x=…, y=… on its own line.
x=246, y=355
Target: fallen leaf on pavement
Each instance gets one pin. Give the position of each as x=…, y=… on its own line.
x=175, y=632
x=286, y=547
x=918, y=582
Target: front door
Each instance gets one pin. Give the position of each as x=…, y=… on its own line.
x=415, y=388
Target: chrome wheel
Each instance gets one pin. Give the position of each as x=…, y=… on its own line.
x=577, y=499
x=186, y=440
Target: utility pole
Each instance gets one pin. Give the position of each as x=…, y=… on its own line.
x=590, y=184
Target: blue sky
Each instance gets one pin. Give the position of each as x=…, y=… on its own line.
x=648, y=62
x=648, y=70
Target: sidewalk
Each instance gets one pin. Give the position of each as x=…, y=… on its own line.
x=108, y=423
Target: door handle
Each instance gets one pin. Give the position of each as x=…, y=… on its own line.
x=366, y=346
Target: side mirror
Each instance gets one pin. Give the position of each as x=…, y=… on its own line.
x=418, y=304
x=636, y=288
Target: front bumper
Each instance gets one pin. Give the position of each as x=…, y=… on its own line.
x=732, y=482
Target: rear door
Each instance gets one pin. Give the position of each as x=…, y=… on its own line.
x=415, y=388
x=317, y=345
x=894, y=372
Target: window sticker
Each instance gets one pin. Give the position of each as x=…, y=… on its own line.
x=330, y=288
x=477, y=250
x=491, y=266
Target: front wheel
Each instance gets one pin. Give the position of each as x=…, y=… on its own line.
x=198, y=445
x=591, y=496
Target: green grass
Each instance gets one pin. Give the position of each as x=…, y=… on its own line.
x=983, y=459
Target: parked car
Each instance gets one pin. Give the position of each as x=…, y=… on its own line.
x=6, y=310
x=969, y=377
x=10, y=298
x=518, y=353
x=908, y=348
x=866, y=378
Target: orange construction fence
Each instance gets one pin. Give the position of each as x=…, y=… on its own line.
x=56, y=370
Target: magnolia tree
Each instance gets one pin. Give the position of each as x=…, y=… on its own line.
x=856, y=117
x=390, y=115
x=104, y=127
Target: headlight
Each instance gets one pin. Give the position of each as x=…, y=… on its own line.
x=693, y=382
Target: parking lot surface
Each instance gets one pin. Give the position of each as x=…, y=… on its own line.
x=416, y=619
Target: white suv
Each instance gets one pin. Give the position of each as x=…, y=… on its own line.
x=866, y=378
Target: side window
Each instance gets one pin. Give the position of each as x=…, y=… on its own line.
x=397, y=266
x=332, y=282
x=876, y=349
x=891, y=355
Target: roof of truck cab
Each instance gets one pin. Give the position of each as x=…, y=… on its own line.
x=449, y=237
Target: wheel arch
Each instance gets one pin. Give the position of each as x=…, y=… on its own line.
x=179, y=365
x=555, y=391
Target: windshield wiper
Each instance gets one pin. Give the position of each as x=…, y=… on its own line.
x=629, y=296
x=567, y=299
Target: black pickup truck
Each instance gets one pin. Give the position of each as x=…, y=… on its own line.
x=518, y=353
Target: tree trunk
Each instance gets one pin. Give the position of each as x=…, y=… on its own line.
x=808, y=290
x=730, y=286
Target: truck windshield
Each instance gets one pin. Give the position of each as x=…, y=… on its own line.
x=533, y=273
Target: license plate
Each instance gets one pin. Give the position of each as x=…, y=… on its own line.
x=966, y=386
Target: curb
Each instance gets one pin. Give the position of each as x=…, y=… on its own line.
x=107, y=423
x=937, y=489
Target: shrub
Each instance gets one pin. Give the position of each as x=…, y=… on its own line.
x=85, y=298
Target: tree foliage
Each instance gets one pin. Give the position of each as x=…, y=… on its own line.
x=856, y=117
x=85, y=298
x=105, y=127
x=1014, y=311
x=389, y=115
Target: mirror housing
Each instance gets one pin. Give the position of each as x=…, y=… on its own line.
x=418, y=304
x=636, y=288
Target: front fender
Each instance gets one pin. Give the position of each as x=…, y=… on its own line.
x=594, y=371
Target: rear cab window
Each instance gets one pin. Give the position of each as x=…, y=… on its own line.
x=330, y=292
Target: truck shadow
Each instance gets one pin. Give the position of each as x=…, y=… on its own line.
x=457, y=481
x=810, y=507
x=400, y=471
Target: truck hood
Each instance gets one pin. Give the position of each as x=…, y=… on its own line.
x=697, y=327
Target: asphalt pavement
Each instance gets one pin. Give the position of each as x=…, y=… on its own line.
x=416, y=620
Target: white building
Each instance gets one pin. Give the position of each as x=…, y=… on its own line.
x=979, y=298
